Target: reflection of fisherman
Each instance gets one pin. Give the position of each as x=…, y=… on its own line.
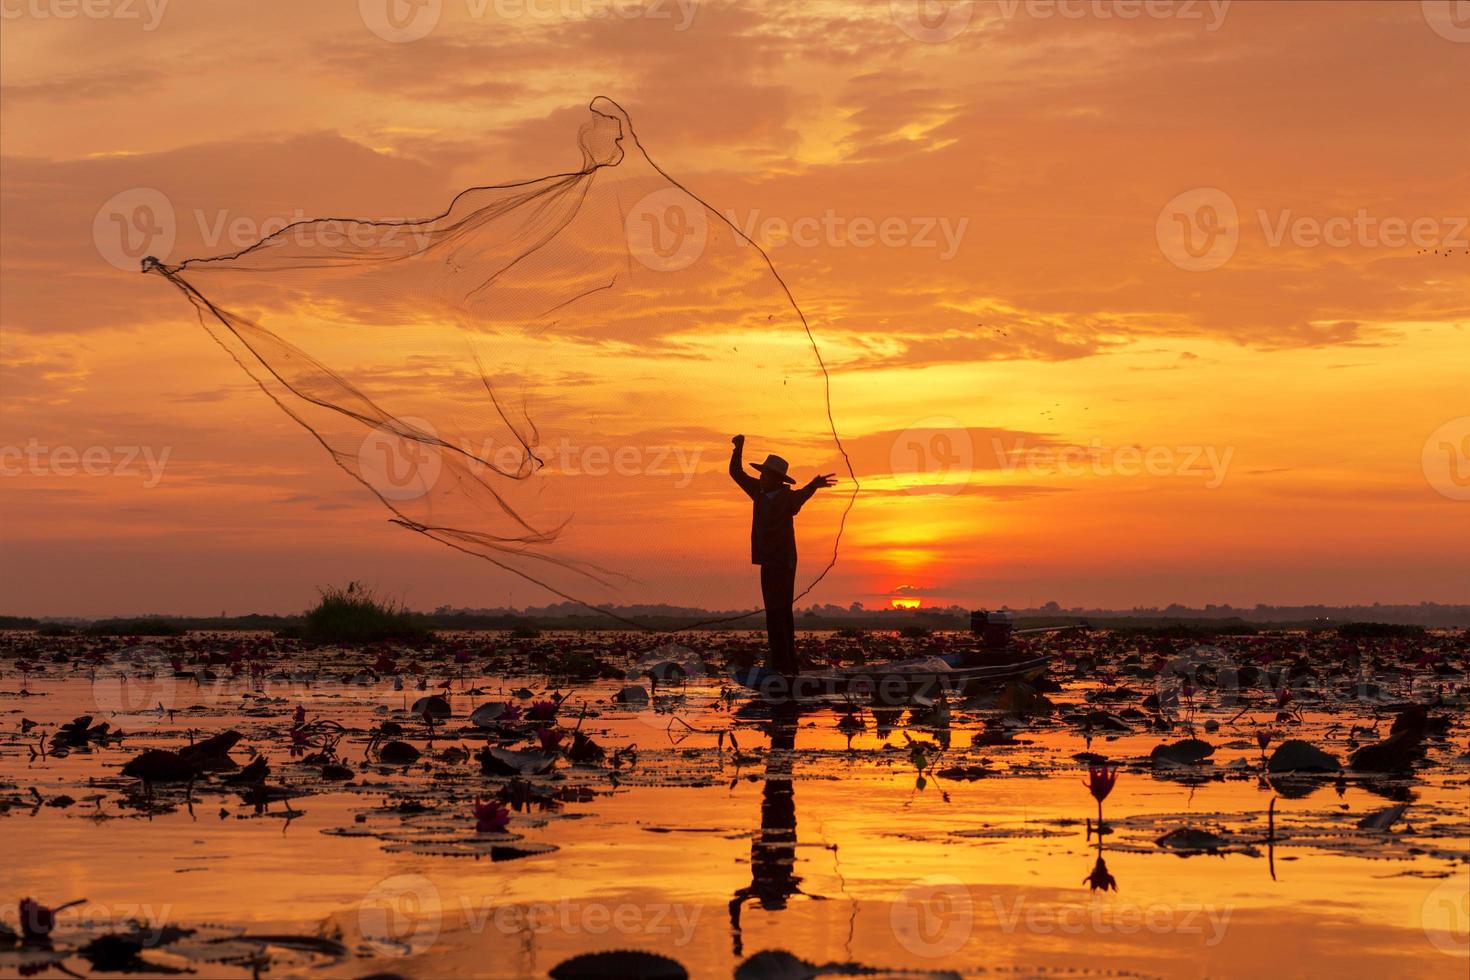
x=773, y=545
x=773, y=877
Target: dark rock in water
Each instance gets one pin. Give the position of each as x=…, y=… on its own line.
x=1104, y=721
x=1295, y=755
x=1415, y=720
x=118, y=953
x=509, y=762
x=1020, y=698
x=625, y=964
x=632, y=694
x=775, y=964
x=1188, y=752
x=213, y=753
x=1191, y=839
x=337, y=773
x=255, y=772
x=160, y=766
x=432, y=708
x=1396, y=753
x=398, y=754
x=666, y=672
x=1404, y=745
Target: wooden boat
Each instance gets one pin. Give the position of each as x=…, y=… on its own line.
x=903, y=682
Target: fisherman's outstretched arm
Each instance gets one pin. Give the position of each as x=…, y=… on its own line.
x=801, y=496
x=747, y=482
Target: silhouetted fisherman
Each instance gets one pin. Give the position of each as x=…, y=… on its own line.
x=773, y=545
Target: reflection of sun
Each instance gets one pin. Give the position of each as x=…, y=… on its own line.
x=905, y=603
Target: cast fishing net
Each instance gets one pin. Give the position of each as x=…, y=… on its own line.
x=547, y=375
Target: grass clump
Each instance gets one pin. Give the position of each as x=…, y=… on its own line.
x=357, y=615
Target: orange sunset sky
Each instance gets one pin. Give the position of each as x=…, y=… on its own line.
x=1179, y=293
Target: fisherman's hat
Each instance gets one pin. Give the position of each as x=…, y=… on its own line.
x=776, y=466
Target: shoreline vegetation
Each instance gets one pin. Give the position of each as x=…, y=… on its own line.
x=356, y=614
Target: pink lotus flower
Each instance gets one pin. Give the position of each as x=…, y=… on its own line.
x=542, y=710
x=550, y=738
x=1263, y=738
x=300, y=715
x=1100, y=781
x=298, y=742
x=490, y=817
x=512, y=712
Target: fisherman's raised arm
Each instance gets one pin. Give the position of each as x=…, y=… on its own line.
x=747, y=482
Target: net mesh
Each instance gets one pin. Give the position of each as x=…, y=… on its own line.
x=546, y=375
